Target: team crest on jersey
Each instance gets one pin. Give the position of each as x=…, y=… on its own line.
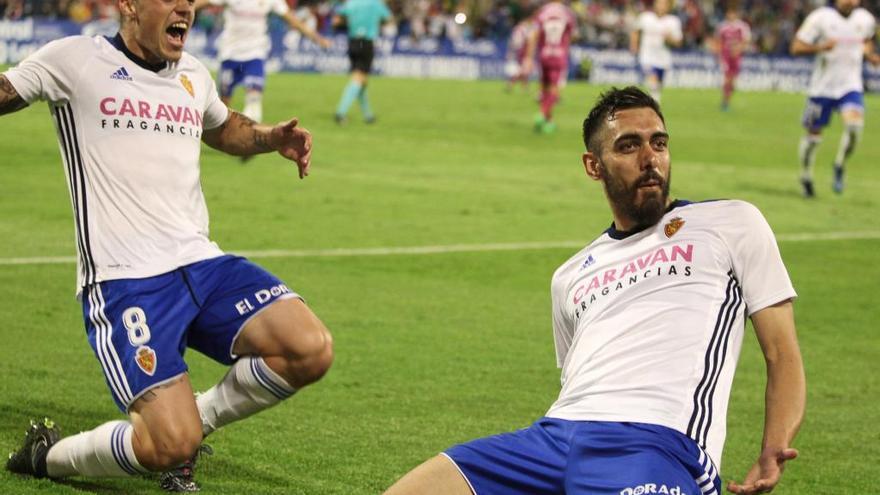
x=146, y=359
x=673, y=226
x=187, y=85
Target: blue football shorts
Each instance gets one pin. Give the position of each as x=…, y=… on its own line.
x=556, y=456
x=139, y=329
x=818, y=112
x=658, y=72
x=250, y=73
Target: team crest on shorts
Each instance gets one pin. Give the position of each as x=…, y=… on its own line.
x=146, y=359
x=187, y=85
x=673, y=226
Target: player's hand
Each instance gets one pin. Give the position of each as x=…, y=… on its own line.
x=765, y=474
x=324, y=43
x=293, y=143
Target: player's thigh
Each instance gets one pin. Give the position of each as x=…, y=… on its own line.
x=137, y=329
x=817, y=114
x=436, y=476
x=254, y=75
x=166, y=423
x=634, y=459
x=530, y=461
x=286, y=328
x=245, y=310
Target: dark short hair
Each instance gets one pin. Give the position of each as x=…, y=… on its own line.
x=608, y=104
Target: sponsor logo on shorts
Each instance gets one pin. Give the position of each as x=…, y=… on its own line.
x=146, y=359
x=260, y=298
x=653, y=488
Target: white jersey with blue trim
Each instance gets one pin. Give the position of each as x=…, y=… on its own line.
x=245, y=33
x=838, y=71
x=653, y=51
x=130, y=140
x=648, y=326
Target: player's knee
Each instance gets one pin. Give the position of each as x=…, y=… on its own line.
x=171, y=449
x=315, y=358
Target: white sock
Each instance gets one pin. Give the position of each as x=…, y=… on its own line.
x=852, y=133
x=253, y=105
x=248, y=387
x=105, y=451
x=807, y=153
x=654, y=88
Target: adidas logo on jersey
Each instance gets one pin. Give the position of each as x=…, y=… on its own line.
x=589, y=261
x=121, y=74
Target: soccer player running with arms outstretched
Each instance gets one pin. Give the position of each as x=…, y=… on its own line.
x=131, y=113
x=648, y=321
x=840, y=37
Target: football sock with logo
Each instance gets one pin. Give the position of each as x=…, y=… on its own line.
x=852, y=133
x=807, y=154
x=248, y=387
x=253, y=105
x=365, y=103
x=348, y=96
x=105, y=451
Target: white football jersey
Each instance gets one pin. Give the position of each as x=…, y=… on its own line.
x=838, y=71
x=245, y=33
x=130, y=140
x=648, y=327
x=653, y=51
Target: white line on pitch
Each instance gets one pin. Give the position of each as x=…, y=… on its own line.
x=452, y=248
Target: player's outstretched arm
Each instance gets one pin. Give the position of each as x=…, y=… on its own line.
x=785, y=397
x=799, y=47
x=309, y=33
x=241, y=136
x=10, y=100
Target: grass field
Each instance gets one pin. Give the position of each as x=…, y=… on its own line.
x=434, y=349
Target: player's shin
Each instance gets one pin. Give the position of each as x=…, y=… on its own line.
x=249, y=386
x=253, y=105
x=105, y=451
x=807, y=154
x=852, y=134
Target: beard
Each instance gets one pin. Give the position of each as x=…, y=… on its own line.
x=624, y=197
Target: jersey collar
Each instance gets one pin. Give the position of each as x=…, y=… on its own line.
x=620, y=235
x=119, y=44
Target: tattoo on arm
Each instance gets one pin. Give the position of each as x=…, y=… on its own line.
x=10, y=100
x=239, y=135
x=247, y=128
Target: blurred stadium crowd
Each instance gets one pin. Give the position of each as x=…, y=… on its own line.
x=602, y=23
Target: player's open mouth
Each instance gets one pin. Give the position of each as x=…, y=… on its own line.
x=177, y=33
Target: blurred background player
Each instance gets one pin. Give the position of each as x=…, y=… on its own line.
x=517, y=48
x=363, y=20
x=656, y=31
x=732, y=38
x=244, y=45
x=551, y=38
x=841, y=37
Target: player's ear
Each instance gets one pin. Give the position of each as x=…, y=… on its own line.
x=127, y=8
x=591, y=165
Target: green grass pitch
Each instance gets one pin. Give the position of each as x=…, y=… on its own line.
x=435, y=349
